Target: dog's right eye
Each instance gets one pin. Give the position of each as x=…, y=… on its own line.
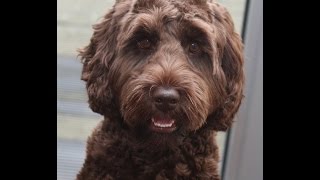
x=194, y=48
x=144, y=44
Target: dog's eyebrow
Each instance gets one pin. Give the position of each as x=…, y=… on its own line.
x=143, y=23
x=197, y=30
x=206, y=31
x=204, y=27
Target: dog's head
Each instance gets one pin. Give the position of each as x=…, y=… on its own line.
x=165, y=65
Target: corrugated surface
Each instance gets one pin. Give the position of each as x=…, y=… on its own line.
x=75, y=120
x=70, y=157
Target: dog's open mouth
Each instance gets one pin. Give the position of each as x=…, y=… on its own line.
x=163, y=124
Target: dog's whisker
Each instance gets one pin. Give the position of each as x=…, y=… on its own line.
x=150, y=90
x=191, y=101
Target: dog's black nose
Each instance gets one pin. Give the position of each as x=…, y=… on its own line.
x=166, y=98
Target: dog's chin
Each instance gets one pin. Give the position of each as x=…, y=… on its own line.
x=162, y=138
x=158, y=133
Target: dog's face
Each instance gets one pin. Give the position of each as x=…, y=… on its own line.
x=165, y=65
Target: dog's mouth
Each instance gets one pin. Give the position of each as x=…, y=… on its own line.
x=163, y=124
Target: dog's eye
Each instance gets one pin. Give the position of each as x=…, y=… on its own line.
x=144, y=44
x=194, y=48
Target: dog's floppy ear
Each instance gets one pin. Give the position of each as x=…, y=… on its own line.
x=231, y=60
x=97, y=58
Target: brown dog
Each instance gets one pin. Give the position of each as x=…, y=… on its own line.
x=166, y=75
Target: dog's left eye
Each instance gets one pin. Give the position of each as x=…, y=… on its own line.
x=194, y=48
x=144, y=44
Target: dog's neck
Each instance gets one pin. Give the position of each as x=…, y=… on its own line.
x=119, y=143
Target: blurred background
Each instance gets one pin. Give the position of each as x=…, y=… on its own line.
x=75, y=120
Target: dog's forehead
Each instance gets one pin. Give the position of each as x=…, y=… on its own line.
x=182, y=9
x=167, y=19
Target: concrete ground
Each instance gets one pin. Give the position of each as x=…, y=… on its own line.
x=75, y=120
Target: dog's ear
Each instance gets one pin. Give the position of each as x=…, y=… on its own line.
x=97, y=58
x=231, y=65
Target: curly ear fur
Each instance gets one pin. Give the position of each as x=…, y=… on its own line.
x=98, y=56
x=232, y=67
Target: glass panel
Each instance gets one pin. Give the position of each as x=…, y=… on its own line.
x=75, y=120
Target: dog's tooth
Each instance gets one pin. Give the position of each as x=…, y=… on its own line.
x=161, y=124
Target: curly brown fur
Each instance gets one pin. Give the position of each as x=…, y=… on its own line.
x=185, y=50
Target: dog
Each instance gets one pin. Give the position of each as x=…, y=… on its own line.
x=166, y=75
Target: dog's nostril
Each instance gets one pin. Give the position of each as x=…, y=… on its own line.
x=166, y=98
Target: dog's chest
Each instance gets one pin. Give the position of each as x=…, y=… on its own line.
x=185, y=162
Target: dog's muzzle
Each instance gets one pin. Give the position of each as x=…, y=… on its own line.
x=165, y=99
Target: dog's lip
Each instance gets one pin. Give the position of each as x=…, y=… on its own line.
x=162, y=124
